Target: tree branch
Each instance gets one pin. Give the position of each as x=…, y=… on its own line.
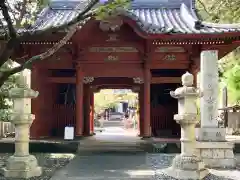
x=46, y=54
x=7, y=18
x=6, y=74
x=22, y=11
x=204, y=7
x=72, y=28
x=14, y=39
x=9, y=47
x=12, y=12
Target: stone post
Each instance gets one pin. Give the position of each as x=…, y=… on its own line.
x=187, y=165
x=224, y=104
x=214, y=150
x=22, y=164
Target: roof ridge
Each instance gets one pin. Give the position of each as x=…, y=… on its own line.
x=65, y=4
x=171, y=4
x=218, y=25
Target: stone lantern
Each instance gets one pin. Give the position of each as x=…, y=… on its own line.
x=22, y=164
x=187, y=165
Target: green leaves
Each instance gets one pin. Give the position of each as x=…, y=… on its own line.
x=111, y=9
x=5, y=103
x=232, y=78
x=225, y=11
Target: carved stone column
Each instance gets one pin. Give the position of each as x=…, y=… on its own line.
x=209, y=85
x=22, y=164
x=187, y=165
x=213, y=147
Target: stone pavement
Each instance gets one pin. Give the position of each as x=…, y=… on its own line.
x=119, y=165
x=106, y=167
x=98, y=165
x=141, y=166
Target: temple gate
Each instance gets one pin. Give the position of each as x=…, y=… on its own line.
x=146, y=49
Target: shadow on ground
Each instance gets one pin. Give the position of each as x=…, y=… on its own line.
x=72, y=147
x=43, y=147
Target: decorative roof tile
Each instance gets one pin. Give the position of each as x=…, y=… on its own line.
x=152, y=16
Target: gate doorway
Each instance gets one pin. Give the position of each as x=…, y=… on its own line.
x=116, y=112
x=163, y=108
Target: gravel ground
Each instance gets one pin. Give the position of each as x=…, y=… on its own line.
x=161, y=161
x=49, y=162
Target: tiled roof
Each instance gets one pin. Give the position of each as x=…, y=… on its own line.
x=152, y=16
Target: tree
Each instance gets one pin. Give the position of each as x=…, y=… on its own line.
x=219, y=11
x=108, y=99
x=19, y=11
x=13, y=38
x=6, y=103
x=225, y=11
x=21, y=14
x=232, y=77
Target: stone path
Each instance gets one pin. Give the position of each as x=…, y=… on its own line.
x=119, y=166
x=105, y=167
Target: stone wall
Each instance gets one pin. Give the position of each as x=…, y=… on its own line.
x=216, y=154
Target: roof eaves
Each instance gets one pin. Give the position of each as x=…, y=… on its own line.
x=149, y=28
x=189, y=19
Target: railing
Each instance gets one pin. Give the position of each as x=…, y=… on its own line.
x=6, y=129
x=162, y=121
x=63, y=115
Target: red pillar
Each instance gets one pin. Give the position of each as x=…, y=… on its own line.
x=141, y=113
x=147, y=86
x=40, y=106
x=79, y=102
x=87, y=94
x=35, y=103
x=92, y=113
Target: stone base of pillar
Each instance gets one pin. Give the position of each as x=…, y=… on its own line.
x=211, y=134
x=21, y=167
x=216, y=154
x=186, y=167
x=90, y=134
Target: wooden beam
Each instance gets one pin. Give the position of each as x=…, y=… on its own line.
x=169, y=65
x=161, y=80
x=71, y=80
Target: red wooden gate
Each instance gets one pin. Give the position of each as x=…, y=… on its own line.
x=63, y=115
x=162, y=121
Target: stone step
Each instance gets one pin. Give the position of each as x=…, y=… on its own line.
x=111, y=147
